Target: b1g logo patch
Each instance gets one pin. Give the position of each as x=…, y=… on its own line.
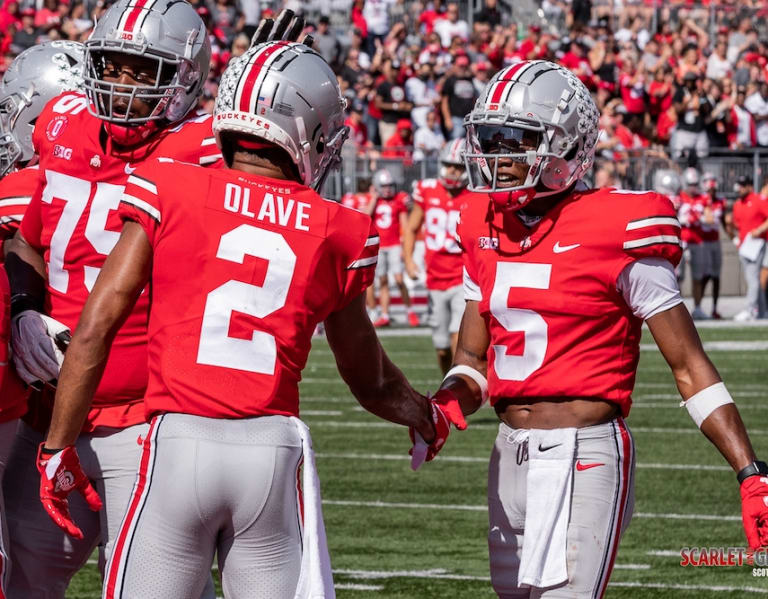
x=56, y=127
x=62, y=152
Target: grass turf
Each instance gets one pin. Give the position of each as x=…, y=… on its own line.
x=392, y=551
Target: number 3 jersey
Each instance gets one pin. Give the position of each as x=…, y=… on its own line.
x=244, y=267
x=558, y=324
x=73, y=221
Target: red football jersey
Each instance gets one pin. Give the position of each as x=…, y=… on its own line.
x=558, y=325
x=13, y=396
x=691, y=213
x=16, y=191
x=749, y=213
x=356, y=201
x=244, y=267
x=441, y=215
x=73, y=220
x=387, y=218
x=711, y=217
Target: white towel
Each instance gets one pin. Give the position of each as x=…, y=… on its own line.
x=315, y=578
x=547, y=507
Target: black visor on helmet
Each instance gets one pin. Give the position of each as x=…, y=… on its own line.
x=503, y=140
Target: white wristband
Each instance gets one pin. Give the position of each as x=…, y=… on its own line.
x=474, y=375
x=706, y=401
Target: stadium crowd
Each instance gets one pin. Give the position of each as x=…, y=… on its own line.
x=674, y=81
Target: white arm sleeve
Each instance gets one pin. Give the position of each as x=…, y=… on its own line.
x=649, y=286
x=471, y=288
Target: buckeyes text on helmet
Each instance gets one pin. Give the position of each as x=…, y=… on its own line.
x=172, y=36
x=284, y=93
x=33, y=79
x=538, y=114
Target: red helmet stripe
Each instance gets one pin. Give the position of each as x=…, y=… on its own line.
x=505, y=80
x=130, y=22
x=254, y=71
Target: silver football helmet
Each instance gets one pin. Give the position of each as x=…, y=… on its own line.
x=384, y=184
x=691, y=177
x=168, y=31
x=285, y=93
x=452, y=153
x=667, y=182
x=35, y=77
x=536, y=113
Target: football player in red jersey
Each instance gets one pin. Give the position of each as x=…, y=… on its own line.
x=271, y=259
x=436, y=207
x=390, y=212
x=144, y=67
x=558, y=281
x=713, y=217
x=33, y=78
x=692, y=211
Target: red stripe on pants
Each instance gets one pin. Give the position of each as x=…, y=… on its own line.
x=133, y=507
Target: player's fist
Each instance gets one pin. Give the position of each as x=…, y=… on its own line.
x=60, y=474
x=446, y=410
x=38, y=342
x=754, y=510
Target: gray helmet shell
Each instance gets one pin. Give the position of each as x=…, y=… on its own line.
x=33, y=79
x=286, y=94
x=542, y=97
x=667, y=181
x=168, y=31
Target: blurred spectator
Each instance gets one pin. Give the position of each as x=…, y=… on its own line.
x=391, y=101
x=326, y=44
x=718, y=65
x=450, y=26
x=742, y=129
x=433, y=11
x=489, y=14
x=757, y=104
x=358, y=131
x=717, y=124
x=457, y=97
x=226, y=19
x=49, y=16
x=26, y=37
x=483, y=73
x=240, y=45
x=376, y=15
x=428, y=138
x=401, y=143
x=421, y=91
x=692, y=109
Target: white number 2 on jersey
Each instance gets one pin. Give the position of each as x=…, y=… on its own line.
x=510, y=275
x=259, y=353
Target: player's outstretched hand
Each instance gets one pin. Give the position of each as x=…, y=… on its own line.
x=445, y=412
x=38, y=342
x=754, y=510
x=288, y=27
x=60, y=474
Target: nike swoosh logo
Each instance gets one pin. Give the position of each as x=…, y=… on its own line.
x=559, y=249
x=550, y=447
x=129, y=169
x=580, y=466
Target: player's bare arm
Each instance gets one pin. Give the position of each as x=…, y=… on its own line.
x=125, y=273
x=676, y=336
x=379, y=385
x=411, y=228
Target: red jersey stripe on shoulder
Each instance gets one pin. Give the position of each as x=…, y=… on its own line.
x=143, y=183
x=141, y=205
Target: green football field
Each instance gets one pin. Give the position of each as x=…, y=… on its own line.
x=396, y=533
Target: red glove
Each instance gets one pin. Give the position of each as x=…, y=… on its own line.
x=60, y=474
x=754, y=510
x=445, y=411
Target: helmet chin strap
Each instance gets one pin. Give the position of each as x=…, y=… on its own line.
x=130, y=136
x=513, y=200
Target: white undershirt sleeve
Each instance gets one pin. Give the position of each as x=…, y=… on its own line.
x=471, y=288
x=649, y=286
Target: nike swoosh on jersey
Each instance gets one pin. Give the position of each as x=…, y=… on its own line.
x=580, y=466
x=129, y=169
x=559, y=249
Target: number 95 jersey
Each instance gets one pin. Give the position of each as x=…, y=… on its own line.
x=243, y=269
x=558, y=325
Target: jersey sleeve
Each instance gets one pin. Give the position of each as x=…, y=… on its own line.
x=359, y=262
x=193, y=142
x=140, y=201
x=466, y=243
x=32, y=224
x=651, y=229
x=16, y=191
x=417, y=193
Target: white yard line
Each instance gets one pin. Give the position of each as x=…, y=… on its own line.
x=351, y=586
x=720, y=346
x=321, y=412
x=663, y=553
x=483, y=460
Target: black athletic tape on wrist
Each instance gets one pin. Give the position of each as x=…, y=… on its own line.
x=25, y=301
x=753, y=469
